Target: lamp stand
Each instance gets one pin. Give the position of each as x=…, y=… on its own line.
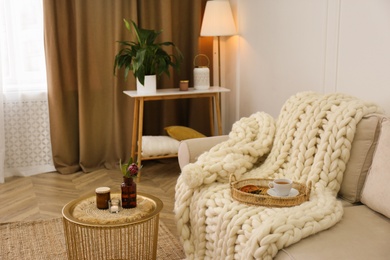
x=219, y=72
x=219, y=61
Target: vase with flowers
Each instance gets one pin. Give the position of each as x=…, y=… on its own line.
x=129, y=187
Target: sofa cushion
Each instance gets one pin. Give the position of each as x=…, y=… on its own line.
x=360, y=160
x=361, y=234
x=376, y=190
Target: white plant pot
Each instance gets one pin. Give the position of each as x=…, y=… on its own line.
x=150, y=85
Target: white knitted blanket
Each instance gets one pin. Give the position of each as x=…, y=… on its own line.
x=310, y=141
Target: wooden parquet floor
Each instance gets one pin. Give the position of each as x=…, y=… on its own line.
x=43, y=196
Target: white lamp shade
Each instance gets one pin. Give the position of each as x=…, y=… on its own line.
x=218, y=19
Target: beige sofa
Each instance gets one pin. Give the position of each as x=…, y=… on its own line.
x=364, y=231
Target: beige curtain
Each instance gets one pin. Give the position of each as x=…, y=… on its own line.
x=90, y=117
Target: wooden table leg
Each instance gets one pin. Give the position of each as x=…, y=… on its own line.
x=140, y=127
x=218, y=112
x=135, y=127
x=211, y=109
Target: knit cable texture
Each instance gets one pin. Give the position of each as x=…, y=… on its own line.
x=310, y=141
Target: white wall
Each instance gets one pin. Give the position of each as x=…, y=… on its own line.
x=285, y=47
x=364, y=50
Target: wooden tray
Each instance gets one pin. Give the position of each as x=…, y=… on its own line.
x=262, y=198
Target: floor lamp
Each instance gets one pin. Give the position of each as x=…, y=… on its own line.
x=218, y=21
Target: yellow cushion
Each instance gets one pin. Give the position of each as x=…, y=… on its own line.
x=182, y=133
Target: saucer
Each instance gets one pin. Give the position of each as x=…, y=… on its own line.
x=293, y=193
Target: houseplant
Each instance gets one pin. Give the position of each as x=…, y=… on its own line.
x=146, y=57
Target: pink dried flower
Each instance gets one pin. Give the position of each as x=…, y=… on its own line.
x=129, y=169
x=133, y=169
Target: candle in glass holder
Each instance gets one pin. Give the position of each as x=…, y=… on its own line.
x=183, y=85
x=102, y=197
x=114, y=205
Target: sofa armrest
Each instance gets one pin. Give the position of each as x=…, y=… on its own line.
x=190, y=149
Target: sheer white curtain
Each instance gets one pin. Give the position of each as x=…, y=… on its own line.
x=25, y=147
x=2, y=143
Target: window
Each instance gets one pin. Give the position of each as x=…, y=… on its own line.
x=22, y=46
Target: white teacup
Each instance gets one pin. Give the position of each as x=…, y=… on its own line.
x=282, y=187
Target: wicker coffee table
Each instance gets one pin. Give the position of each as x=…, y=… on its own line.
x=91, y=233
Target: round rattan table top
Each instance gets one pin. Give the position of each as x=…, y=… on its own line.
x=83, y=211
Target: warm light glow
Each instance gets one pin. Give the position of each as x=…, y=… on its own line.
x=218, y=19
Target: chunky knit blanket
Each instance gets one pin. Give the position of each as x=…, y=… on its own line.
x=310, y=141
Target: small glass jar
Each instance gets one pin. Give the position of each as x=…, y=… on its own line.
x=183, y=85
x=114, y=205
x=102, y=197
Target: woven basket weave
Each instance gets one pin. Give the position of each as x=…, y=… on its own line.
x=263, y=199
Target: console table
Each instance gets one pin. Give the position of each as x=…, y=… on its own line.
x=92, y=233
x=213, y=93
